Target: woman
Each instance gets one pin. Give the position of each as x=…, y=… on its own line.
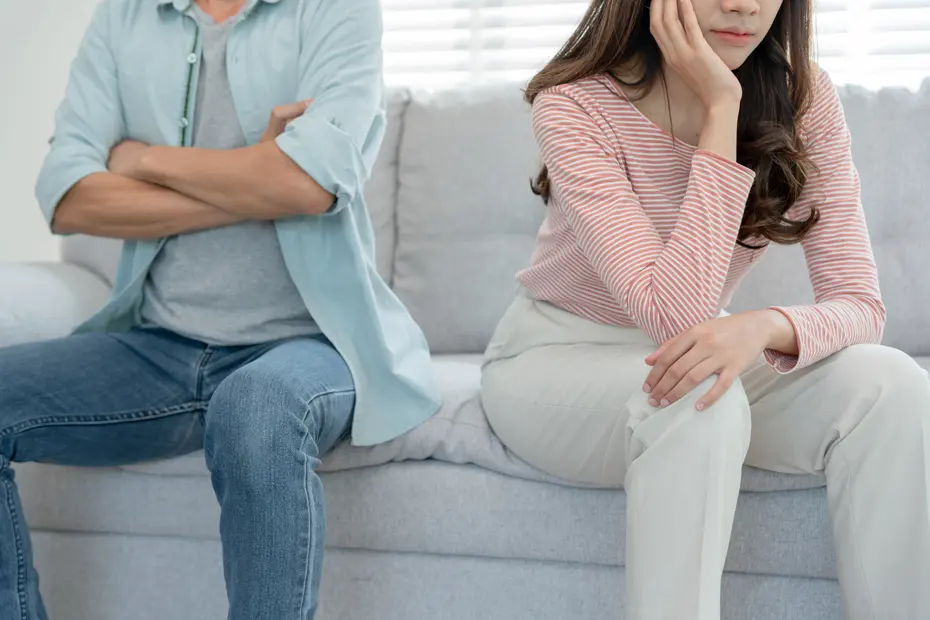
x=679, y=140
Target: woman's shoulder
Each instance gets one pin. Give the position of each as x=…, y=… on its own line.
x=590, y=93
x=594, y=98
x=825, y=110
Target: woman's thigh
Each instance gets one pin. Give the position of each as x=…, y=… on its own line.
x=798, y=418
x=562, y=408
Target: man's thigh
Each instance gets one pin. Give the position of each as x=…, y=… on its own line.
x=299, y=386
x=100, y=399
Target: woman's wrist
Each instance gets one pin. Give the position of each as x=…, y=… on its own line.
x=720, y=128
x=779, y=334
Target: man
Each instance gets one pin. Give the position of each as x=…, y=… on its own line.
x=247, y=315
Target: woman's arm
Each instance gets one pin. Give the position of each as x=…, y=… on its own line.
x=848, y=308
x=666, y=287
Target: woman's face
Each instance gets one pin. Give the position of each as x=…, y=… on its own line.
x=734, y=28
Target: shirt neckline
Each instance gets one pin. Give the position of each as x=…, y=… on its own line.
x=611, y=83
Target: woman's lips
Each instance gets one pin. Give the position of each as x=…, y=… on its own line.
x=733, y=38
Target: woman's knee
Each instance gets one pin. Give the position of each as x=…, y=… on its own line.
x=874, y=365
x=876, y=373
x=725, y=423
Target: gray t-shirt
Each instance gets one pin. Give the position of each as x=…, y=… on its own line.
x=228, y=285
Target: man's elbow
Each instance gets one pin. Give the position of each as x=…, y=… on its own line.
x=66, y=218
x=306, y=197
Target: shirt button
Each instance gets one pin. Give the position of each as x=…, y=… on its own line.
x=184, y=122
x=192, y=58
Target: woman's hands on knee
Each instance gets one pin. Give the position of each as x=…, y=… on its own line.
x=724, y=346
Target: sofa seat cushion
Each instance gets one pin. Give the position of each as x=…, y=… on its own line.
x=458, y=433
x=428, y=506
x=433, y=508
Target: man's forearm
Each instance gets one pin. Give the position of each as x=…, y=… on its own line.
x=254, y=182
x=111, y=205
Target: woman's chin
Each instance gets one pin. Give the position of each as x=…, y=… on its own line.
x=733, y=59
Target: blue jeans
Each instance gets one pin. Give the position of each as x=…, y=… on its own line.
x=264, y=415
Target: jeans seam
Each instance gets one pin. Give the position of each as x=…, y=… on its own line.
x=201, y=364
x=308, y=577
x=18, y=542
x=308, y=564
x=109, y=418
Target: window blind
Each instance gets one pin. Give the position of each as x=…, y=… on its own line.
x=445, y=43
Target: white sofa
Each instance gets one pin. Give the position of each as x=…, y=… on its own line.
x=460, y=529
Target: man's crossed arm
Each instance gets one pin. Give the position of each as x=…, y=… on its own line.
x=176, y=190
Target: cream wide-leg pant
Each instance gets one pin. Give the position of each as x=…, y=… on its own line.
x=565, y=394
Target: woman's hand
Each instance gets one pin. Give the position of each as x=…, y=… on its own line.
x=686, y=50
x=726, y=346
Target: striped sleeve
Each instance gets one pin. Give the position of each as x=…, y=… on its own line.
x=665, y=287
x=847, y=307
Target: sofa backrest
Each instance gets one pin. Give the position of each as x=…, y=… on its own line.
x=466, y=218
x=455, y=219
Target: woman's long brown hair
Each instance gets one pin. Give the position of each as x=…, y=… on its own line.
x=777, y=84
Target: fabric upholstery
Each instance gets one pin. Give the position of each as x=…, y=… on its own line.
x=381, y=189
x=460, y=239
x=97, y=255
x=46, y=300
x=361, y=585
x=436, y=508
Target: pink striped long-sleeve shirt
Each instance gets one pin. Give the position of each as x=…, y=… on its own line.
x=641, y=229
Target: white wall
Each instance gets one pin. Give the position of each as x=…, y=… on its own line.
x=38, y=39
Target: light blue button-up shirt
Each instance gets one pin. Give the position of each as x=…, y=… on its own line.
x=135, y=77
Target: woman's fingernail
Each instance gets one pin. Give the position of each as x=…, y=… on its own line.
x=664, y=402
x=647, y=388
x=699, y=406
x=653, y=402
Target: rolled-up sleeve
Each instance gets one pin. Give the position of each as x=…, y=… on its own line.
x=337, y=139
x=88, y=122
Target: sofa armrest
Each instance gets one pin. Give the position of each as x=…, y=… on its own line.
x=39, y=301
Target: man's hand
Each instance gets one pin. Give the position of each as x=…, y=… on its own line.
x=125, y=156
x=726, y=346
x=281, y=116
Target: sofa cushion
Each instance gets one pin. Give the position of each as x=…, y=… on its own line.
x=889, y=130
x=46, y=300
x=458, y=433
x=466, y=219
x=434, y=508
x=97, y=255
x=381, y=189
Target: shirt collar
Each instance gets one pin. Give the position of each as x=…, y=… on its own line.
x=183, y=5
